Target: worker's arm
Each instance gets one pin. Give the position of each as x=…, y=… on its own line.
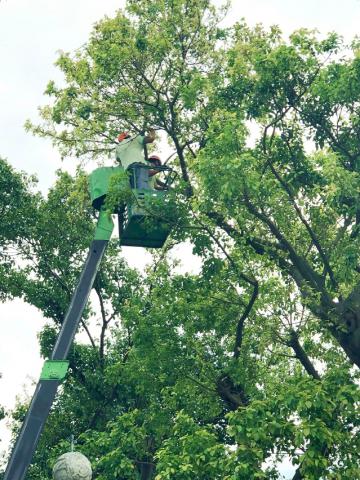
x=150, y=137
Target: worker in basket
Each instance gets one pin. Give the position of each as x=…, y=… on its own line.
x=154, y=182
x=143, y=177
x=131, y=152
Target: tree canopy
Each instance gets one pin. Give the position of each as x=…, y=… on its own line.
x=223, y=373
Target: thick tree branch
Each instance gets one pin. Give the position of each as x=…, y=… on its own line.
x=313, y=278
x=182, y=161
x=233, y=395
x=302, y=356
x=311, y=233
x=241, y=322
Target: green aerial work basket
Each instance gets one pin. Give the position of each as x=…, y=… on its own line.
x=137, y=225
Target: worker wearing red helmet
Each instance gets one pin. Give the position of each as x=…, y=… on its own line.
x=131, y=149
x=155, y=182
x=154, y=160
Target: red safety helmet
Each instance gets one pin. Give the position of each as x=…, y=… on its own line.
x=155, y=159
x=122, y=136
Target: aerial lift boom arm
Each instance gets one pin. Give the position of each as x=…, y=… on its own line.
x=55, y=369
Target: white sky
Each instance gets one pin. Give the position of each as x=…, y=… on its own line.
x=31, y=32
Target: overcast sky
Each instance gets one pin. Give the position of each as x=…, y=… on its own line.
x=31, y=32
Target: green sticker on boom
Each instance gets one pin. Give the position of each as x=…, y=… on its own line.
x=54, y=370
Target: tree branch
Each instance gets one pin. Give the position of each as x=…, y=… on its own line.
x=302, y=356
x=241, y=322
x=301, y=263
x=305, y=223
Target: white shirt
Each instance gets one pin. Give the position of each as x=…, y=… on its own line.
x=131, y=150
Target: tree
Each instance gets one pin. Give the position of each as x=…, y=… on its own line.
x=222, y=373
x=16, y=205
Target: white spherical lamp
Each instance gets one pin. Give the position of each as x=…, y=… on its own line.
x=72, y=466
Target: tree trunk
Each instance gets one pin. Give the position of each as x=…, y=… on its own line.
x=347, y=330
x=146, y=470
